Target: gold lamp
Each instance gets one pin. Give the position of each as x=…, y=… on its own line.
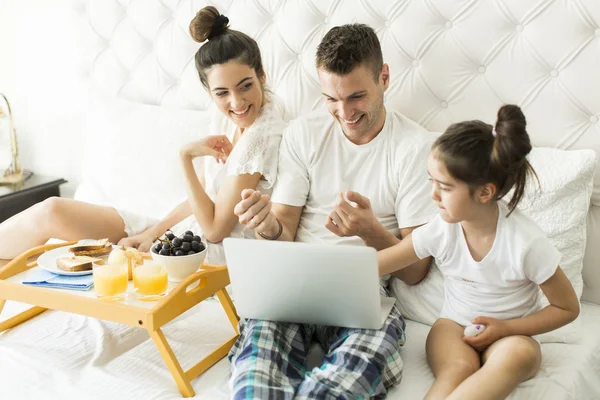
x=13, y=174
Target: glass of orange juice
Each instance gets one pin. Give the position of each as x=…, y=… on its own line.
x=110, y=281
x=150, y=281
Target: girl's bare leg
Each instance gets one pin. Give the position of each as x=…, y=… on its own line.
x=58, y=218
x=506, y=363
x=450, y=358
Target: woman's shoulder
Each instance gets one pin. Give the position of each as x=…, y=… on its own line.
x=271, y=121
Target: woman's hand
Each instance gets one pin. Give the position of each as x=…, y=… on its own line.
x=217, y=146
x=495, y=329
x=142, y=241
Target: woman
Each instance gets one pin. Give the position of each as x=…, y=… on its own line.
x=241, y=152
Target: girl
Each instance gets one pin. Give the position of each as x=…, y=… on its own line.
x=493, y=258
x=241, y=153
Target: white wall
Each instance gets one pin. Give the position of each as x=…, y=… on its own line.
x=41, y=75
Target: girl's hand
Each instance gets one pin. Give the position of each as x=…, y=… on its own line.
x=217, y=146
x=495, y=329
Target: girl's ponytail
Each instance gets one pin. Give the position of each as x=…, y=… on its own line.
x=510, y=149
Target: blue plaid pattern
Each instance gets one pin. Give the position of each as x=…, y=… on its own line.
x=269, y=360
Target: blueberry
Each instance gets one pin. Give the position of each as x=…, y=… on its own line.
x=180, y=253
x=165, y=252
x=187, y=238
x=189, y=233
x=170, y=236
x=191, y=252
x=186, y=246
x=166, y=246
x=177, y=242
x=157, y=248
x=197, y=239
x=196, y=246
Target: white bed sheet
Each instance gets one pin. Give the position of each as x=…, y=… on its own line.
x=64, y=356
x=568, y=371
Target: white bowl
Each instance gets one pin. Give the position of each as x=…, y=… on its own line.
x=180, y=267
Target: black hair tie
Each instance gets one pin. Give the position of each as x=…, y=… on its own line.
x=219, y=27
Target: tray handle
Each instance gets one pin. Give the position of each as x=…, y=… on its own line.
x=19, y=263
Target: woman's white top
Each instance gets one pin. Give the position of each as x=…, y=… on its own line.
x=257, y=150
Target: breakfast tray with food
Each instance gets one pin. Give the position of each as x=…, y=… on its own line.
x=151, y=316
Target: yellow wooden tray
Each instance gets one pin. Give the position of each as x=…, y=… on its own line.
x=210, y=280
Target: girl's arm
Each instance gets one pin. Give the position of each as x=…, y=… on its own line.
x=216, y=219
x=563, y=308
x=397, y=257
x=418, y=270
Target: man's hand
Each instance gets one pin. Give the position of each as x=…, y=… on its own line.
x=495, y=329
x=217, y=146
x=254, y=211
x=350, y=220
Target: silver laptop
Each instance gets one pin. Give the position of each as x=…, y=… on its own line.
x=334, y=285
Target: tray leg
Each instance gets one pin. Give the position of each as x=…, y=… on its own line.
x=229, y=308
x=169, y=357
x=19, y=318
x=210, y=359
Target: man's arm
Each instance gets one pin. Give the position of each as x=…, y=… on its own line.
x=417, y=271
x=288, y=216
x=257, y=212
x=359, y=220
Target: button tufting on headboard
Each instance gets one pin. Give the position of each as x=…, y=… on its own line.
x=449, y=60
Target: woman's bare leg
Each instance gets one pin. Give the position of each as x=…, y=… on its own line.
x=59, y=218
x=506, y=363
x=451, y=359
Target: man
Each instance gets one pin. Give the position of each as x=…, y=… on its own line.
x=357, y=178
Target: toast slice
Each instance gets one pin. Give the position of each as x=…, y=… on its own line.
x=89, y=244
x=76, y=263
x=99, y=252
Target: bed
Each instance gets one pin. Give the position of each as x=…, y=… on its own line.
x=67, y=356
x=450, y=60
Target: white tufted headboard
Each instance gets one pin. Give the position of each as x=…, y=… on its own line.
x=450, y=60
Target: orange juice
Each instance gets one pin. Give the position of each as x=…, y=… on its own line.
x=150, y=281
x=110, y=281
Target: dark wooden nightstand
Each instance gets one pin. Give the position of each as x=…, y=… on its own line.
x=16, y=198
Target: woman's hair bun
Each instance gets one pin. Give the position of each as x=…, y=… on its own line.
x=208, y=24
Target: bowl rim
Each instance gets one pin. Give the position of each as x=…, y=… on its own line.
x=177, y=257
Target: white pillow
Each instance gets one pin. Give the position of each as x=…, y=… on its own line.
x=566, y=180
x=132, y=154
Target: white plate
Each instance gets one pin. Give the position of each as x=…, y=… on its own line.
x=47, y=261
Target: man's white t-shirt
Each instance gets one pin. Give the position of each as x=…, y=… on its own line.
x=317, y=162
x=504, y=284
